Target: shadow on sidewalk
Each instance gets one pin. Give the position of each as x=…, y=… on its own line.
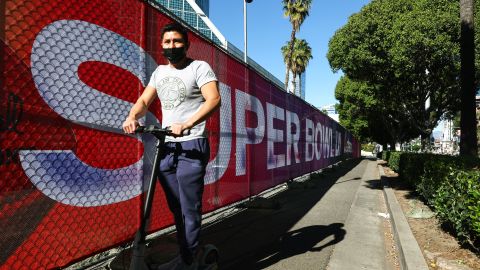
x=258, y=238
x=298, y=242
x=374, y=184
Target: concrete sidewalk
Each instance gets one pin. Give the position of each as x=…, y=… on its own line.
x=364, y=245
x=364, y=248
x=301, y=234
x=330, y=221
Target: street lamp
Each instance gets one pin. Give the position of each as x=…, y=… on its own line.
x=245, y=29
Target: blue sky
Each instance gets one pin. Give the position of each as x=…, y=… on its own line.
x=269, y=30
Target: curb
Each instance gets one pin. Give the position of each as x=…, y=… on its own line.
x=411, y=256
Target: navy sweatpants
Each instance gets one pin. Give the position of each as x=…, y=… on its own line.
x=182, y=169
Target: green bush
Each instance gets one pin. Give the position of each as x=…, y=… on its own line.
x=416, y=147
x=368, y=147
x=475, y=215
x=437, y=169
x=450, y=184
x=411, y=167
x=394, y=160
x=385, y=155
x=434, y=172
x=457, y=202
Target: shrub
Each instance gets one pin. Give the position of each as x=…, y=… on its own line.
x=457, y=202
x=385, y=155
x=451, y=185
x=416, y=147
x=411, y=167
x=394, y=160
x=368, y=147
x=437, y=169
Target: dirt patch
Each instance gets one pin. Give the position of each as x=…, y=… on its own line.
x=440, y=249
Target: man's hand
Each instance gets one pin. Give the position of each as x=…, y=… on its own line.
x=130, y=125
x=178, y=128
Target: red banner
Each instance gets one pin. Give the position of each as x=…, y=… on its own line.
x=71, y=181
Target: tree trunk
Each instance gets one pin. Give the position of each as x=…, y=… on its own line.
x=425, y=141
x=289, y=58
x=294, y=83
x=468, y=125
x=287, y=77
x=392, y=146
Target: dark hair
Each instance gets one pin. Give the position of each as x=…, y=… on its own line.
x=175, y=27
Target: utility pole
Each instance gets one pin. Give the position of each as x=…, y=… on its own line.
x=245, y=55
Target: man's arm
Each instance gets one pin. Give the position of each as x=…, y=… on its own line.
x=212, y=102
x=139, y=109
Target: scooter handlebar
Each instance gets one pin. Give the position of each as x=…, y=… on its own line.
x=157, y=130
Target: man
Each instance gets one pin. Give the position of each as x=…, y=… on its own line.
x=188, y=92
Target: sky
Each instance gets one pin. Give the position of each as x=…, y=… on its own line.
x=268, y=30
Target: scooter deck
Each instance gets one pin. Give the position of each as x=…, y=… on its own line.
x=209, y=267
x=159, y=251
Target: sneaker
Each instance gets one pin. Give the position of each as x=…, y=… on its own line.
x=177, y=264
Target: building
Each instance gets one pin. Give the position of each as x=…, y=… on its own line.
x=195, y=13
x=447, y=131
x=204, y=5
x=299, y=85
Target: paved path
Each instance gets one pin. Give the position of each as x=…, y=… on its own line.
x=329, y=217
x=327, y=222
x=364, y=245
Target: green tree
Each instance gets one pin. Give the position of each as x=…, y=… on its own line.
x=407, y=51
x=300, y=57
x=354, y=107
x=296, y=11
x=362, y=114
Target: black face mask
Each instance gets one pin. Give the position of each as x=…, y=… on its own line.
x=174, y=55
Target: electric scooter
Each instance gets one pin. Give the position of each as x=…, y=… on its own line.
x=208, y=255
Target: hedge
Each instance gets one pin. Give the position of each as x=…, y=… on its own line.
x=449, y=184
x=457, y=203
x=368, y=147
x=411, y=166
x=438, y=169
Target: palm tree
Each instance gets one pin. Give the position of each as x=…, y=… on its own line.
x=468, y=125
x=300, y=56
x=297, y=12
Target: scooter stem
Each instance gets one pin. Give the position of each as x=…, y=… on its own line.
x=139, y=244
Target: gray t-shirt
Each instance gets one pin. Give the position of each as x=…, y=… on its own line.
x=180, y=95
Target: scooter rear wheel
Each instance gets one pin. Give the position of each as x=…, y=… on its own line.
x=208, y=259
